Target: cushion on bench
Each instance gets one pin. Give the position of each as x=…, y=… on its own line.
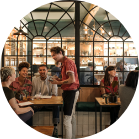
x=83, y=106
x=90, y=107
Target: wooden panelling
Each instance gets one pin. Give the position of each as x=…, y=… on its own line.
x=87, y=94
x=60, y=91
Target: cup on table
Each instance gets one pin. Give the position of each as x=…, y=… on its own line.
x=32, y=97
x=38, y=96
x=24, y=97
x=28, y=98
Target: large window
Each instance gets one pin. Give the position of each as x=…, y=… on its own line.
x=91, y=37
x=103, y=42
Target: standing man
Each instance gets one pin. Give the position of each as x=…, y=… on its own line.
x=69, y=85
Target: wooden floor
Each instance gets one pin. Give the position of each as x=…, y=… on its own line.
x=77, y=137
x=47, y=130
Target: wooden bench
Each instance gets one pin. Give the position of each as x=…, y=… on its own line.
x=47, y=130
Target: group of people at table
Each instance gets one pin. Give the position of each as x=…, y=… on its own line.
x=70, y=86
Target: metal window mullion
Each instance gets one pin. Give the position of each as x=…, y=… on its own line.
x=123, y=62
x=77, y=35
x=127, y=38
x=94, y=30
x=34, y=23
x=46, y=17
x=119, y=29
x=17, y=55
x=124, y=33
x=109, y=22
x=60, y=30
x=66, y=11
x=55, y=33
x=93, y=60
x=108, y=53
x=31, y=58
x=27, y=28
x=2, y=65
x=88, y=12
x=46, y=52
x=58, y=21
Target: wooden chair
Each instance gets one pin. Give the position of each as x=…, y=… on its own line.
x=47, y=130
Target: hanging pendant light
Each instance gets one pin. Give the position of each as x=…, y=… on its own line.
x=20, y=31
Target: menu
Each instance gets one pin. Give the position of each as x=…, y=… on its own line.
x=25, y=103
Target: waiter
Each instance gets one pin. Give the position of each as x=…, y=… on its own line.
x=69, y=84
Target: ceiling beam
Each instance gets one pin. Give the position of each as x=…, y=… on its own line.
x=89, y=18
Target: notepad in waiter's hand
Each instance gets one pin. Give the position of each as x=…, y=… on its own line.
x=46, y=96
x=25, y=103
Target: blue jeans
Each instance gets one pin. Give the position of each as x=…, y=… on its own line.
x=55, y=110
x=26, y=116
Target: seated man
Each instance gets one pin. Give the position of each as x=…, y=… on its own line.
x=88, y=76
x=121, y=66
x=56, y=70
x=42, y=85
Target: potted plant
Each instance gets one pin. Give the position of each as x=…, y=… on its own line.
x=19, y=93
x=112, y=96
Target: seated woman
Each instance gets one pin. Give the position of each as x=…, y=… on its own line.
x=107, y=81
x=7, y=77
x=127, y=91
x=22, y=83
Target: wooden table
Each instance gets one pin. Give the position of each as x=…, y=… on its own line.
x=102, y=103
x=54, y=100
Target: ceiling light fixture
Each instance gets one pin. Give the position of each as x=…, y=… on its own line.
x=20, y=31
x=86, y=33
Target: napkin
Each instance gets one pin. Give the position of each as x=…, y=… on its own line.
x=25, y=103
x=46, y=96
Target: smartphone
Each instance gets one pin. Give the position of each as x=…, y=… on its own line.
x=50, y=79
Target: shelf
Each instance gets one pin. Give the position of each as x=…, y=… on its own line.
x=40, y=57
x=39, y=49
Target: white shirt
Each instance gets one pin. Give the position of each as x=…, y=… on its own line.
x=44, y=86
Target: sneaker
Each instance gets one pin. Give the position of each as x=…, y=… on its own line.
x=55, y=132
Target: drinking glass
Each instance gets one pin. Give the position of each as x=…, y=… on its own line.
x=38, y=96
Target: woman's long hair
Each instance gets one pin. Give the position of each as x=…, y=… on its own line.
x=107, y=75
x=132, y=79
